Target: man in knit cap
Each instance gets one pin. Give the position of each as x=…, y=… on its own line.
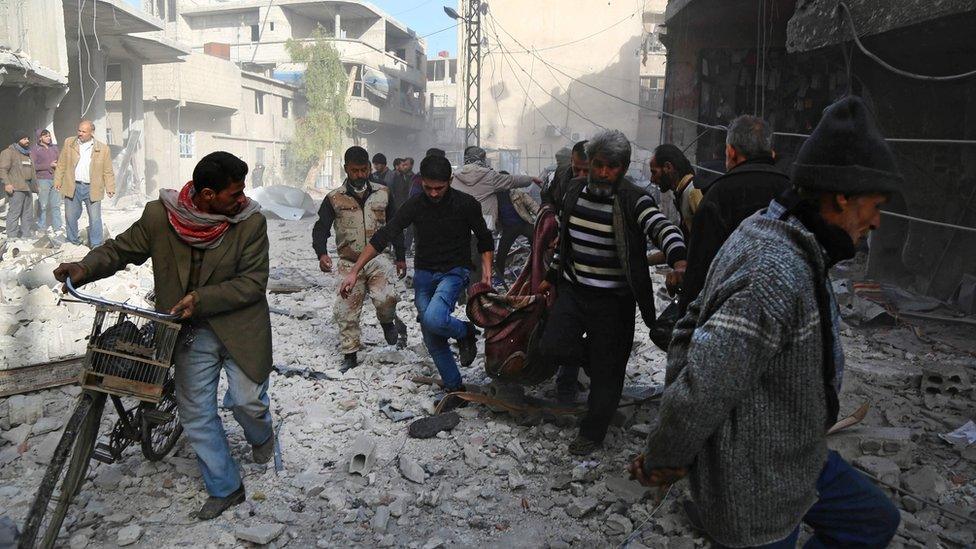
x=18, y=178
x=755, y=367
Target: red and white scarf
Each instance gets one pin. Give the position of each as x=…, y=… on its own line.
x=199, y=229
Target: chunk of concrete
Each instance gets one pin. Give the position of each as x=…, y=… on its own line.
x=411, y=470
x=894, y=443
x=129, y=535
x=880, y=467
x=925, y=481
x=362, y=456
x=262, y=534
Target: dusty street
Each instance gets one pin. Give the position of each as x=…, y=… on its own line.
x=497, y=479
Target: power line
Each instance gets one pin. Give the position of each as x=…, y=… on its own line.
x=857, y=40
x=439, y=31
x=420, y=5
x=578, y=40
x=617, y=97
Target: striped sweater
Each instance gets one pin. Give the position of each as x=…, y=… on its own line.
x=593, y=259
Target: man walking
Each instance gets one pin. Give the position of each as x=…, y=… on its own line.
x=516, y=217
x=400, y=192
x=601, y=271
x=751, y=181
x=755, y=367
x=358, y=209
x=209, y=249
x=18, y=179
x=84, y=176
x=671, y=171
x=555, y=190
x=444, y=220
x=381, y=175
x=44, y=154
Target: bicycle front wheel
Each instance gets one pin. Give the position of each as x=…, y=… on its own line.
x=161, y=426
x=59, y=487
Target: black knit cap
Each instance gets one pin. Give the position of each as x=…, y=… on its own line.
x=20, y=134
x=846, y=154
x=379, y=158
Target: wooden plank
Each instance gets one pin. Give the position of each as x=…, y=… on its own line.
x=40, y=376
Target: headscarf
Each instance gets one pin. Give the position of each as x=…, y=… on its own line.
x=204, y=231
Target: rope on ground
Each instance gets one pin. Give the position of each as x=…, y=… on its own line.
x=640, y=529
x=924, y=500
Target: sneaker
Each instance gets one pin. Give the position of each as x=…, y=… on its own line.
x=582, y=446
x=348, y=362
x=390, y=332
x=263, y=453
x=468, y=346
x=214, y=506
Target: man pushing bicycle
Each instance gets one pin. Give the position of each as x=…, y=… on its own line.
x=209, y=247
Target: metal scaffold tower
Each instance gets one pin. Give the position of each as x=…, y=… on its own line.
x=473, y=11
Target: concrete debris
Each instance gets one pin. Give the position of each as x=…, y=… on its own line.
x=261, y=534
x=481, y=478
x=362, y=456
x=129, y=535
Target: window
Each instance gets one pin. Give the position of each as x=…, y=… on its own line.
x=453, y=71
x=170, y=10
x=430, y=70
x=255, y=33
x=440, y=123
x=186, y=144
x=285, y=107
x=358, y=89
x=650, y=90
x=259, y=102
x=271, y=26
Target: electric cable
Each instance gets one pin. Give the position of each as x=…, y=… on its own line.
x=578, y=40
x=857, y=40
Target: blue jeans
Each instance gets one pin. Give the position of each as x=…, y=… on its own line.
x=72, y=213
x=49, y=201
x=851, y=511
x=435, y=295
x=198, y=367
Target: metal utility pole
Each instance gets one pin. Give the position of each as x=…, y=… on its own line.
x=472, y=74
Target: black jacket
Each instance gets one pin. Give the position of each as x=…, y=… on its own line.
x=630, y=240
x=744, y=190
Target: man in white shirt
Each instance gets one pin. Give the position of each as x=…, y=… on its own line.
x=84, y=176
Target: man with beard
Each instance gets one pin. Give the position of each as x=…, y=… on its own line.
x=755, y=367
x=209, y=249
x=554, y=191
x=358, y=209
x=671, y=171
x=601, y=273
x=444, y=221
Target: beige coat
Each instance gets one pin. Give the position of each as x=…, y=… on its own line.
x=232, y=286
x=16, y=169
x=102, y=176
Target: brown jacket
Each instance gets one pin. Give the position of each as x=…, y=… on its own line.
x=16, y=169
x=233, y=280
x=102, y=176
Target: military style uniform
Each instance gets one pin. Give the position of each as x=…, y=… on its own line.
x=356, y=218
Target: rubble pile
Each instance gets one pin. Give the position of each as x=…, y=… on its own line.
x=492, y=479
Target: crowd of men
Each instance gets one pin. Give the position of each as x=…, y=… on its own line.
x=755, y=363
x=78, y=174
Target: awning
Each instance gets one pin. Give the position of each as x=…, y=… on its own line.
x=22, y=70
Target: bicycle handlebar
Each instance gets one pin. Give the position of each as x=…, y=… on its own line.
x=93, y=300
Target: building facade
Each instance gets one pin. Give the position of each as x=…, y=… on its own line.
x=556, y=77
x=385, y=61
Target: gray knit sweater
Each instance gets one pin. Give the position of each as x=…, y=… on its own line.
x=744, y=408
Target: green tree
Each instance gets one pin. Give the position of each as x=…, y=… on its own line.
x=327, y=118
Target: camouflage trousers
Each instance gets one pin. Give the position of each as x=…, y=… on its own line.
x=376, y=279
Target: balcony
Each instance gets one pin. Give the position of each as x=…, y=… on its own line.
x=390, y=114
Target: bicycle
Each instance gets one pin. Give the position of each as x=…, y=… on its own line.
x=129, y=355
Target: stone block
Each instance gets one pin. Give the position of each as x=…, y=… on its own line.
x=894, y=443
x=950, y=380
x=881, y=467
x=261, y=534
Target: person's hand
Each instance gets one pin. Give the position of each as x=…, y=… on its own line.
x=8, y=188
x=186, y=306
x=544, y=287
x=347, y=284
x=673, y=279
x=538, y=181
x=54, y=164
x=57, y=185
x=75, y=271
x=401, y=269
x=110, y=193
x=658, y=477
x=325, y=263
x=486, y=278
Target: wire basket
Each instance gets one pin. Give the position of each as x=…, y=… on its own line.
x=129, y=353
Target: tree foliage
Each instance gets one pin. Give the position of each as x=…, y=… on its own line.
x=327, y=118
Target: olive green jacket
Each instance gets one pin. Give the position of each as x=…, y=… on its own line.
x=233, y=283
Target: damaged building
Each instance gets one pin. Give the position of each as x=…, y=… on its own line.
x=787, y=60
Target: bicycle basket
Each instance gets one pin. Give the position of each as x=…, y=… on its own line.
x=128, y=354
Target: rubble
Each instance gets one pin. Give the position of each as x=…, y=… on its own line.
x=492, y=479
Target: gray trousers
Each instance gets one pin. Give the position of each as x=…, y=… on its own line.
x=20, y=214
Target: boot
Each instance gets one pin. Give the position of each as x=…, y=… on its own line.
x=401, y=334
x=582, y=446
x=214, y=506
x=349, y=362
x=389, y=332
x=263, y=453
x=468, y=346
